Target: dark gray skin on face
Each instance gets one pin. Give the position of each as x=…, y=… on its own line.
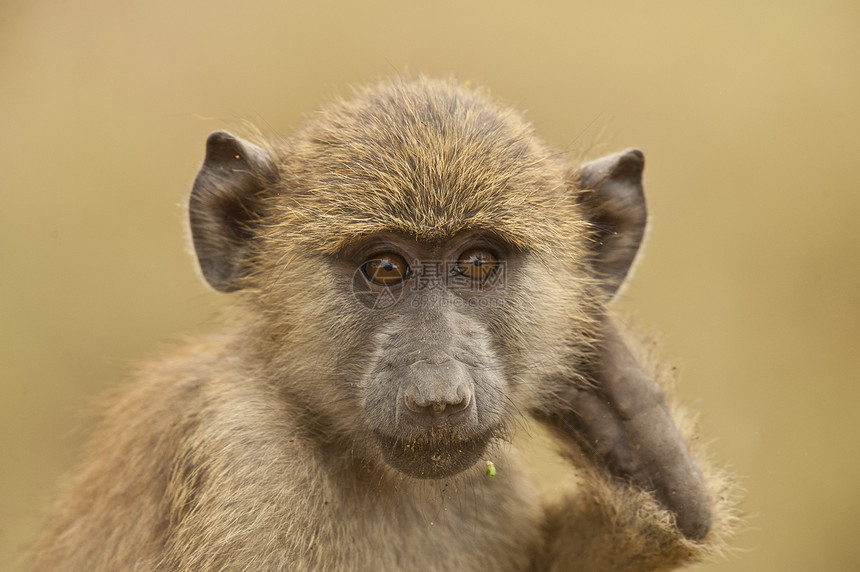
x=435, y=395
x=435, y=358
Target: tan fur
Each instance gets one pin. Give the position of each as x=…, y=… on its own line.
x=248, y=450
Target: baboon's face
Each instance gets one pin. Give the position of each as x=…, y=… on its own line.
x=434, y=389
x=417, y=319
x=421, y=266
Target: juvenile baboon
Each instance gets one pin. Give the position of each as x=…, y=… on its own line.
x=415, y=274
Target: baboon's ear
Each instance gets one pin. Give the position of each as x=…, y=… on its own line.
x=225, y=203
x=614, y=203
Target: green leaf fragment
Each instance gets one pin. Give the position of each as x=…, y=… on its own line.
x=491, y=469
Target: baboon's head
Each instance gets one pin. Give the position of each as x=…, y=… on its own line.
x=416, y=265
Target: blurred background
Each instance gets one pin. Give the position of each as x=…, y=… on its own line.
x=748, y=113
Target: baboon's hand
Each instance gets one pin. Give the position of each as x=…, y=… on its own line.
x=622, y=423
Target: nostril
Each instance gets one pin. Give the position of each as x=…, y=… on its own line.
x=461, y=403
x=442, y=406
x=463, y=399
x=411, y=404
x=426, y=407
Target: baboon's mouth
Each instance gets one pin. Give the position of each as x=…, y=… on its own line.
x=436, y=457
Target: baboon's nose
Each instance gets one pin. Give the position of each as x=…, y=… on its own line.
x=431, y=407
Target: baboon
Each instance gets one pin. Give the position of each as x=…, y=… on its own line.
x=416, y=277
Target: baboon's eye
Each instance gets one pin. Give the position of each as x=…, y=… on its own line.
x=386, y=269
x=476, y=264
